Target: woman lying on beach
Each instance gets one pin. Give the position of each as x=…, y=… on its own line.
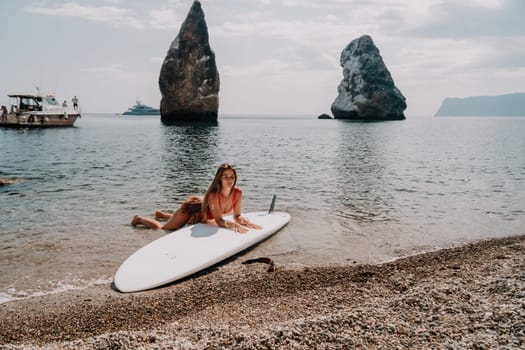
x=222, y=197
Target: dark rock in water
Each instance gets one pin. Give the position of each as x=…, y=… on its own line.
x=367, y=90
x=508, y=105
x=5, y=182
x=324, y=116
x=189, y=79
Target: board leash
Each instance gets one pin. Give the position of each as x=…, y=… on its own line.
x=269, y=261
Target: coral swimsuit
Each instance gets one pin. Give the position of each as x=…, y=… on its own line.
x=210, y=215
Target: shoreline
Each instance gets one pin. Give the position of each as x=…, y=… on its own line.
x=463, y=297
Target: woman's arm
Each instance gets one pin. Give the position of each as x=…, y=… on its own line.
x=217, y=215
x=237, y=214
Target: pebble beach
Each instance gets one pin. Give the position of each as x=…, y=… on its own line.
x=465, y=297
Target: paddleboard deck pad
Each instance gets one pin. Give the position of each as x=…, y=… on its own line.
x=191, y=249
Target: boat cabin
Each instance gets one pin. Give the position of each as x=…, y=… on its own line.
x=28, y=103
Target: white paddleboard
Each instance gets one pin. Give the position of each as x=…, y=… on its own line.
x=190, y=250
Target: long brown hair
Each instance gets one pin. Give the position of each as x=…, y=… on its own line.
x=215, y=186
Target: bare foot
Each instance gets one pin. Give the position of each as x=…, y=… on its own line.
x=159, y=215
x=136, y=220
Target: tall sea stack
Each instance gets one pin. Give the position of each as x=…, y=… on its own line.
x=189, y=79
x=367, y=91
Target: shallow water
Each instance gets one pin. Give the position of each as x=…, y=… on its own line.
x=363, y=192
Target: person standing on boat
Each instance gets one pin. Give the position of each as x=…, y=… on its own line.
x=3, y=119
x=64, y=105
x=75, y=103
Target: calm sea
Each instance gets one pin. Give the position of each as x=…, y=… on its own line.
x=357, y=192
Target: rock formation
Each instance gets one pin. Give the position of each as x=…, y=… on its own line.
x=189, y=79
x=367, y=90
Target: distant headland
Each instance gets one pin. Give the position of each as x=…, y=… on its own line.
x=509, y=105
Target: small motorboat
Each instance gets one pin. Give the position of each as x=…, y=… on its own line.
x=36, y=110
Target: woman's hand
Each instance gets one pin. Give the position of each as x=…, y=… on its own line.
x=236, y=227
x=251, y=225
x=240, y=229
x=246, y=223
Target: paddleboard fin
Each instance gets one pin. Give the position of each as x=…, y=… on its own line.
x=272, y=206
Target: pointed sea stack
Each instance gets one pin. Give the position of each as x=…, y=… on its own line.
x=189, y=79
x=367, y=91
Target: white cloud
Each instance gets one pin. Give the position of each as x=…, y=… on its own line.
x=156, y=59
x=471, y=19
x=323, y=32
x=108, y=14
x=264, y=68
x=322, y=3
x=488, y=3
x=112, y=68
x=165, y=18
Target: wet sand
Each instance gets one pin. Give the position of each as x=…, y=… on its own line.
x=466, y=297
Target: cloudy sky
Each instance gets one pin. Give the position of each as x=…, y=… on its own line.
x=273, y=56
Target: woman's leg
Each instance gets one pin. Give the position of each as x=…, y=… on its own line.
x=149, y=223
x=176, y=221
x=161, y=215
